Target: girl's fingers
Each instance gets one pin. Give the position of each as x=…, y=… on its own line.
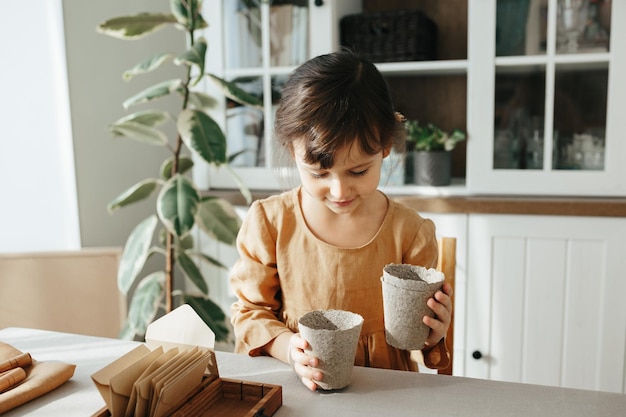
x=308, y=375
x=441, y=305
x=303, y=364
x=308, y=372
x=297, y=341
x=309, y=384
x=442, y=313
x=444, y=299
x=447, y=288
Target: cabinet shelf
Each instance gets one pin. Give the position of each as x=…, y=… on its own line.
x=579, y=61
x=257, y=71
x=442, y=67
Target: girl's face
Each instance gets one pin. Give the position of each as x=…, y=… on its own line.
x=347, y=185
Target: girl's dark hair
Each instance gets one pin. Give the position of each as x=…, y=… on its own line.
x=332, y=100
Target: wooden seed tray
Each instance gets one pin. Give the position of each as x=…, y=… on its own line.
x=220, y=397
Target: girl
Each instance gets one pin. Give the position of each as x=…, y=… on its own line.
x=324, y=244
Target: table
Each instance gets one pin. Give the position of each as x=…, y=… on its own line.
x=373, y=392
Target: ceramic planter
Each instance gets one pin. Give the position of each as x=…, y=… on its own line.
x=432, y=167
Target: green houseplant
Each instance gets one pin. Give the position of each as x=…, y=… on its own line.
x=431, y=152
x=180, y=206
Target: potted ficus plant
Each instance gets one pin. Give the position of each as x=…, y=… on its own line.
x=431, y=152
x=180, y=206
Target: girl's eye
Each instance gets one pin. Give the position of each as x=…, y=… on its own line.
x=318, y=175
x=359, y=173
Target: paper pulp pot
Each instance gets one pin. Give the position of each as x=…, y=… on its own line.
x=333, y=336
x=406, y=289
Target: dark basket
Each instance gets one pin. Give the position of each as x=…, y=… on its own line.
x=390, y=36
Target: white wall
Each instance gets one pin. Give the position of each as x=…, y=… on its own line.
x=59, y=173
x=38, y=204
x=105, y=166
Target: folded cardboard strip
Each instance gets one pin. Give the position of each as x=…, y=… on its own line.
x=159, y=377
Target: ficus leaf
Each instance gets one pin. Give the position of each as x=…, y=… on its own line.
x=159, y=90
x=145, y=302
x=194, y=56
x=137, y=192
x=218, y=219
x=127, y=332
x=235, y=93
x=187, y=13
x=184, y=165
x=192, y=272
x=135, y=253
x=234, y=156
x=205, y=257
x=240, y=184
x=187, y=242
x=202, y=134
x=162, y=236
x=211, y=314
x=201, y=101
x=139, y=132
x=177, y=205
x=135, y=26
x=147, y=65
x=145, y=117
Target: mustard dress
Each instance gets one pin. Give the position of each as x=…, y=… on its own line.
x=285, y=271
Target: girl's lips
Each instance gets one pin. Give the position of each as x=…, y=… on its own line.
x=341, y=203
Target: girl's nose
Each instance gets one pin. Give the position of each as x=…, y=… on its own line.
x=339, y=188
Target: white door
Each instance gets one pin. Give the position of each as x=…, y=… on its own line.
x=546, y=300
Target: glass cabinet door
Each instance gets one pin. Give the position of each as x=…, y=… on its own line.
x=263, y=41
x=578, y=92
x=257, y=43
x=552, y=75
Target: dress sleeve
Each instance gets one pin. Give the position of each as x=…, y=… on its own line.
x=438, y=357
x=254, y=281
x=422, y=248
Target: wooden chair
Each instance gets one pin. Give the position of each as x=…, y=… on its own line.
x=447, y=265
x=70, y=291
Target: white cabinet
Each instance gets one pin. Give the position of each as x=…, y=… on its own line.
x=546, y=82
x=252, y=52
x=541, y=118
x=545, y=300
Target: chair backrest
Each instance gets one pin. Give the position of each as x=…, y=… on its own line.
x=447, y=265
x=71, y=291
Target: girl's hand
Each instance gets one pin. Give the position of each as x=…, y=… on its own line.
x=303, y=364
x=441, y=304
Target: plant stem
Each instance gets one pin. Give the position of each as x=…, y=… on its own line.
x=169, y=272
x=169, y=238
